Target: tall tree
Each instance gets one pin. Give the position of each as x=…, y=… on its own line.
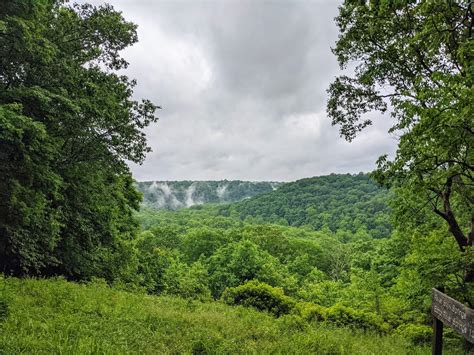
x=416, y=57
x=68, y=124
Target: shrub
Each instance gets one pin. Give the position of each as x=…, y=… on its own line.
x=236, y=263
x=311, y=312
x=401, y=316
x=153, y=260
x=187, y=281
x=325, y=293
x=340, y=315
x=261, y=296
x=418, y=334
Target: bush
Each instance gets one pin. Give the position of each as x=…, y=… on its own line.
x=311, y=312
x=261, y=296
x=236, y=263
x=187, y=281
x=344, y=316
x=341, y=316
x=416, y=333
x=325, y=293
x=402, y=316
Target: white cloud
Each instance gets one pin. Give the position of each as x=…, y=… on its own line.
x=243, y=89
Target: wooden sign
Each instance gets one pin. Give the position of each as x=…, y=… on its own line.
x=452, y=314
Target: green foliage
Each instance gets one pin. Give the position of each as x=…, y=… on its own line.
x=346, y=202
x=166, y=236
x=417, y=334
x=291, y=246
x=202, y=243
x=311, y=312
x=238, y=262
x=366, y=292
x=3, y=309
x=291, y=323
x=389, y=278
x=68, y=124
x=187, y=281
x=28, y=190
x=342, y=316
x=325, y=293
x=261, y=296
x=416, y=56
x=152, y=262
x=433, y=260
x=56, y=316
x=345, y=316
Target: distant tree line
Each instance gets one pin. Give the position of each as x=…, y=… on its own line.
x=348, y=202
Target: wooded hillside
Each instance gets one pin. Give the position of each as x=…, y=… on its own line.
x=337, y=202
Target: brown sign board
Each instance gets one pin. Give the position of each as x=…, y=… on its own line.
x=453, y=314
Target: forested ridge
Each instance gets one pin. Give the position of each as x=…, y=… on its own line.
x=336, y=201
x=346, y=202
x=178, y=194
x=331, y=264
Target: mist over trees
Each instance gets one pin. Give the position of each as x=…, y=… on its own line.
x=178, y=194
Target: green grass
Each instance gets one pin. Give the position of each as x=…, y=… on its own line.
x=55, y=316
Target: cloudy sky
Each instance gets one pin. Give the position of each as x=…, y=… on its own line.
x=243, y=90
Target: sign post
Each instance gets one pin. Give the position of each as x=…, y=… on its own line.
x=451, y=313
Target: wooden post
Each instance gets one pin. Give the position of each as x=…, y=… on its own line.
x=437, y=346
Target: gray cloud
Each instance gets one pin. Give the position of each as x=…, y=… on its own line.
x=243, y=89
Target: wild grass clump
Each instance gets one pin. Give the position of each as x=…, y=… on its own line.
x=3, y=309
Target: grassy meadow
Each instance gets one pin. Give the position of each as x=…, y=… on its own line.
x=55, y=316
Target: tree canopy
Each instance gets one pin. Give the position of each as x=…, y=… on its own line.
x=416, y=59
x=68, y=123
x=336, y=201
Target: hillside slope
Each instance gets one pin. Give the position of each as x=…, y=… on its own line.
x=349, y=202
x=56, y=316
x=177, y=194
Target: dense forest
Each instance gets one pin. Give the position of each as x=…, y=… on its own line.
x=177, y=194
x=331, y=264
x=338, y=202
x=380, y=282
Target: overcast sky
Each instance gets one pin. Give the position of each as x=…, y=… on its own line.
x=243, y=90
